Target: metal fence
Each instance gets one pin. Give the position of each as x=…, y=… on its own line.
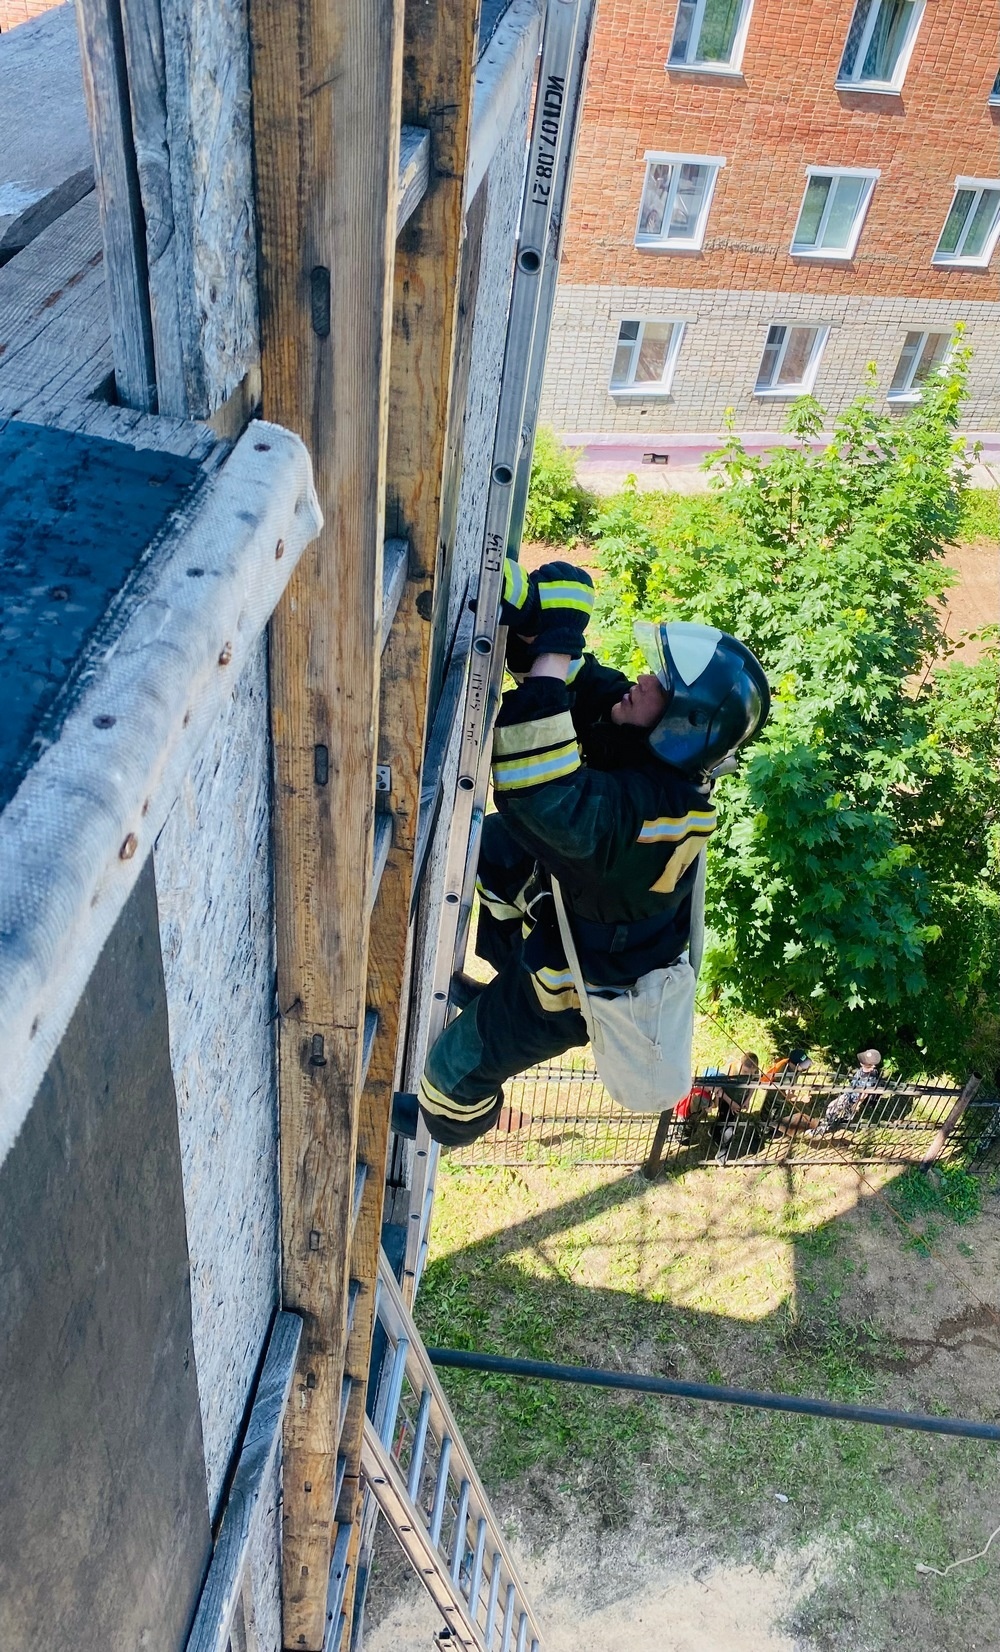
x=562, y=1115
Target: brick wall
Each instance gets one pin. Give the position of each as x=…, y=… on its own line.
x=721, y=348
x=13, y=12
x=780, y=114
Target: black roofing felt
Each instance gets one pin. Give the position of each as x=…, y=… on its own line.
x=77, y=514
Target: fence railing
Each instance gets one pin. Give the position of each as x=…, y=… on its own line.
x=562, y=1115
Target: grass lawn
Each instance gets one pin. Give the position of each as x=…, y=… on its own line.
x=805, y=1283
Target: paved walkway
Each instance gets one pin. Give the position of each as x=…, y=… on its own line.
x=608, y=459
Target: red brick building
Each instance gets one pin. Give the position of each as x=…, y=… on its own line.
x=769, y=194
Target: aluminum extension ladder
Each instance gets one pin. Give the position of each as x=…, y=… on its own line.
x=417, y=1468
x=558, y=104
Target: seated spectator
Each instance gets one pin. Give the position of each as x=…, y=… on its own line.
x=732, y=1091
x=690, y=1108
x=844, y=1108
x=782, y=1079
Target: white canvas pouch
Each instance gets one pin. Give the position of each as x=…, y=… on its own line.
x=642, y=1038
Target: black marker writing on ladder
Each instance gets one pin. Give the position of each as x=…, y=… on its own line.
x=552, y=107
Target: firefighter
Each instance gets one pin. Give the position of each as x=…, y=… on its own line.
x=607, y=784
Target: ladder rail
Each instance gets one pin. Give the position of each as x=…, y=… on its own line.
x=558, y=97
x=441, y=1553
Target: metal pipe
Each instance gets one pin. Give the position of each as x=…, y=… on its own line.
x=594, y=1377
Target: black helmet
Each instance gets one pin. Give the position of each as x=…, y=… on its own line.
x=718, y=696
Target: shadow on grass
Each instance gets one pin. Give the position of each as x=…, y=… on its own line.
x=597, y=1279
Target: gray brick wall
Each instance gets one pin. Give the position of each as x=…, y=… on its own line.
x=721, y=349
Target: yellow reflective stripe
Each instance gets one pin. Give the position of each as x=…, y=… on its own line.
x=670, y=828
x=536, y=769
x=435, y=1101
x=553, y=1001
x=554, y=979
x=683, y=856
x=564, y=595
x=514, y=738
x=493, y=903
x=515, y=583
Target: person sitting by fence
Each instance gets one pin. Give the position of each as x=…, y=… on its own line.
x=733, y=1091
x=781, y=1082
x=690, y=1109
x=845, y=1107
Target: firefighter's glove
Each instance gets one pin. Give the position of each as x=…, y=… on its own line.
x=566, y=602
x=519, y=609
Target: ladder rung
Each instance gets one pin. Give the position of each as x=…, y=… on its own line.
x=476, y=1578
x=440, y=1491
x=345, y=1395
x=458, y=1534
x=395, y=556
x=522, y=1633
x=368, y=1041
x=508, y=1619
x=419, y=1446
x=491, y=1605
x=380, y=853
x=394, y=1389
x=339, y=1570
x=338, y=1483
x=360, y=1178
x=414, y=171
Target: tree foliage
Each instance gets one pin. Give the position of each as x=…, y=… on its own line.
x=558, y=508
x=854, y=887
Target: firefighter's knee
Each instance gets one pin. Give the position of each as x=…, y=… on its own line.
x=456, y=1100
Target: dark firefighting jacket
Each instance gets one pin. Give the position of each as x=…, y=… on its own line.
x=619, y=829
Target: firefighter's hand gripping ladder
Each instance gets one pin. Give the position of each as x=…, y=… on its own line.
x=558, y=101
x=417, y=1468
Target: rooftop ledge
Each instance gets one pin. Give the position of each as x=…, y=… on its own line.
x=159, y=571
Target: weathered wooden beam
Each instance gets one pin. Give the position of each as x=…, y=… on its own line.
x=440, y=57
x=189, y=84
x=326, y=87
x=105, y=86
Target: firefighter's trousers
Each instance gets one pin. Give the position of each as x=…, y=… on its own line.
x=505, y=1030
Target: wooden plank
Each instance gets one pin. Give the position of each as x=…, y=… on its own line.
x=105, y=85
x=414, y=171
x=441, y=37
x=189, y=83
x=142, y=431
x=221, y=1594
x=46, y=161
x=55, y=337
x=326, y=82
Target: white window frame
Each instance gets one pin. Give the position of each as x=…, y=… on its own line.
x=787, y=392
x=697, y=64
x=854, y=83
x=662, y=386
x=957, y=261
x=695, y=241
x=910, y=394
x=994, y=98
x=843, y=254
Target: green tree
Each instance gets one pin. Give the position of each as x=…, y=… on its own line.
x=844, y=901
x=558, y=509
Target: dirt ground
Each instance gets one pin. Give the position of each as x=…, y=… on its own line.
x=723, y=1529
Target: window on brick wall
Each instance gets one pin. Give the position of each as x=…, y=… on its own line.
x=790, y=361
x=709, y=34
x=879, y=42
x=645, y=356
x=972, y=225
x=922, y=353
x=832, y=212
x=995, y=94
x=676, y=197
